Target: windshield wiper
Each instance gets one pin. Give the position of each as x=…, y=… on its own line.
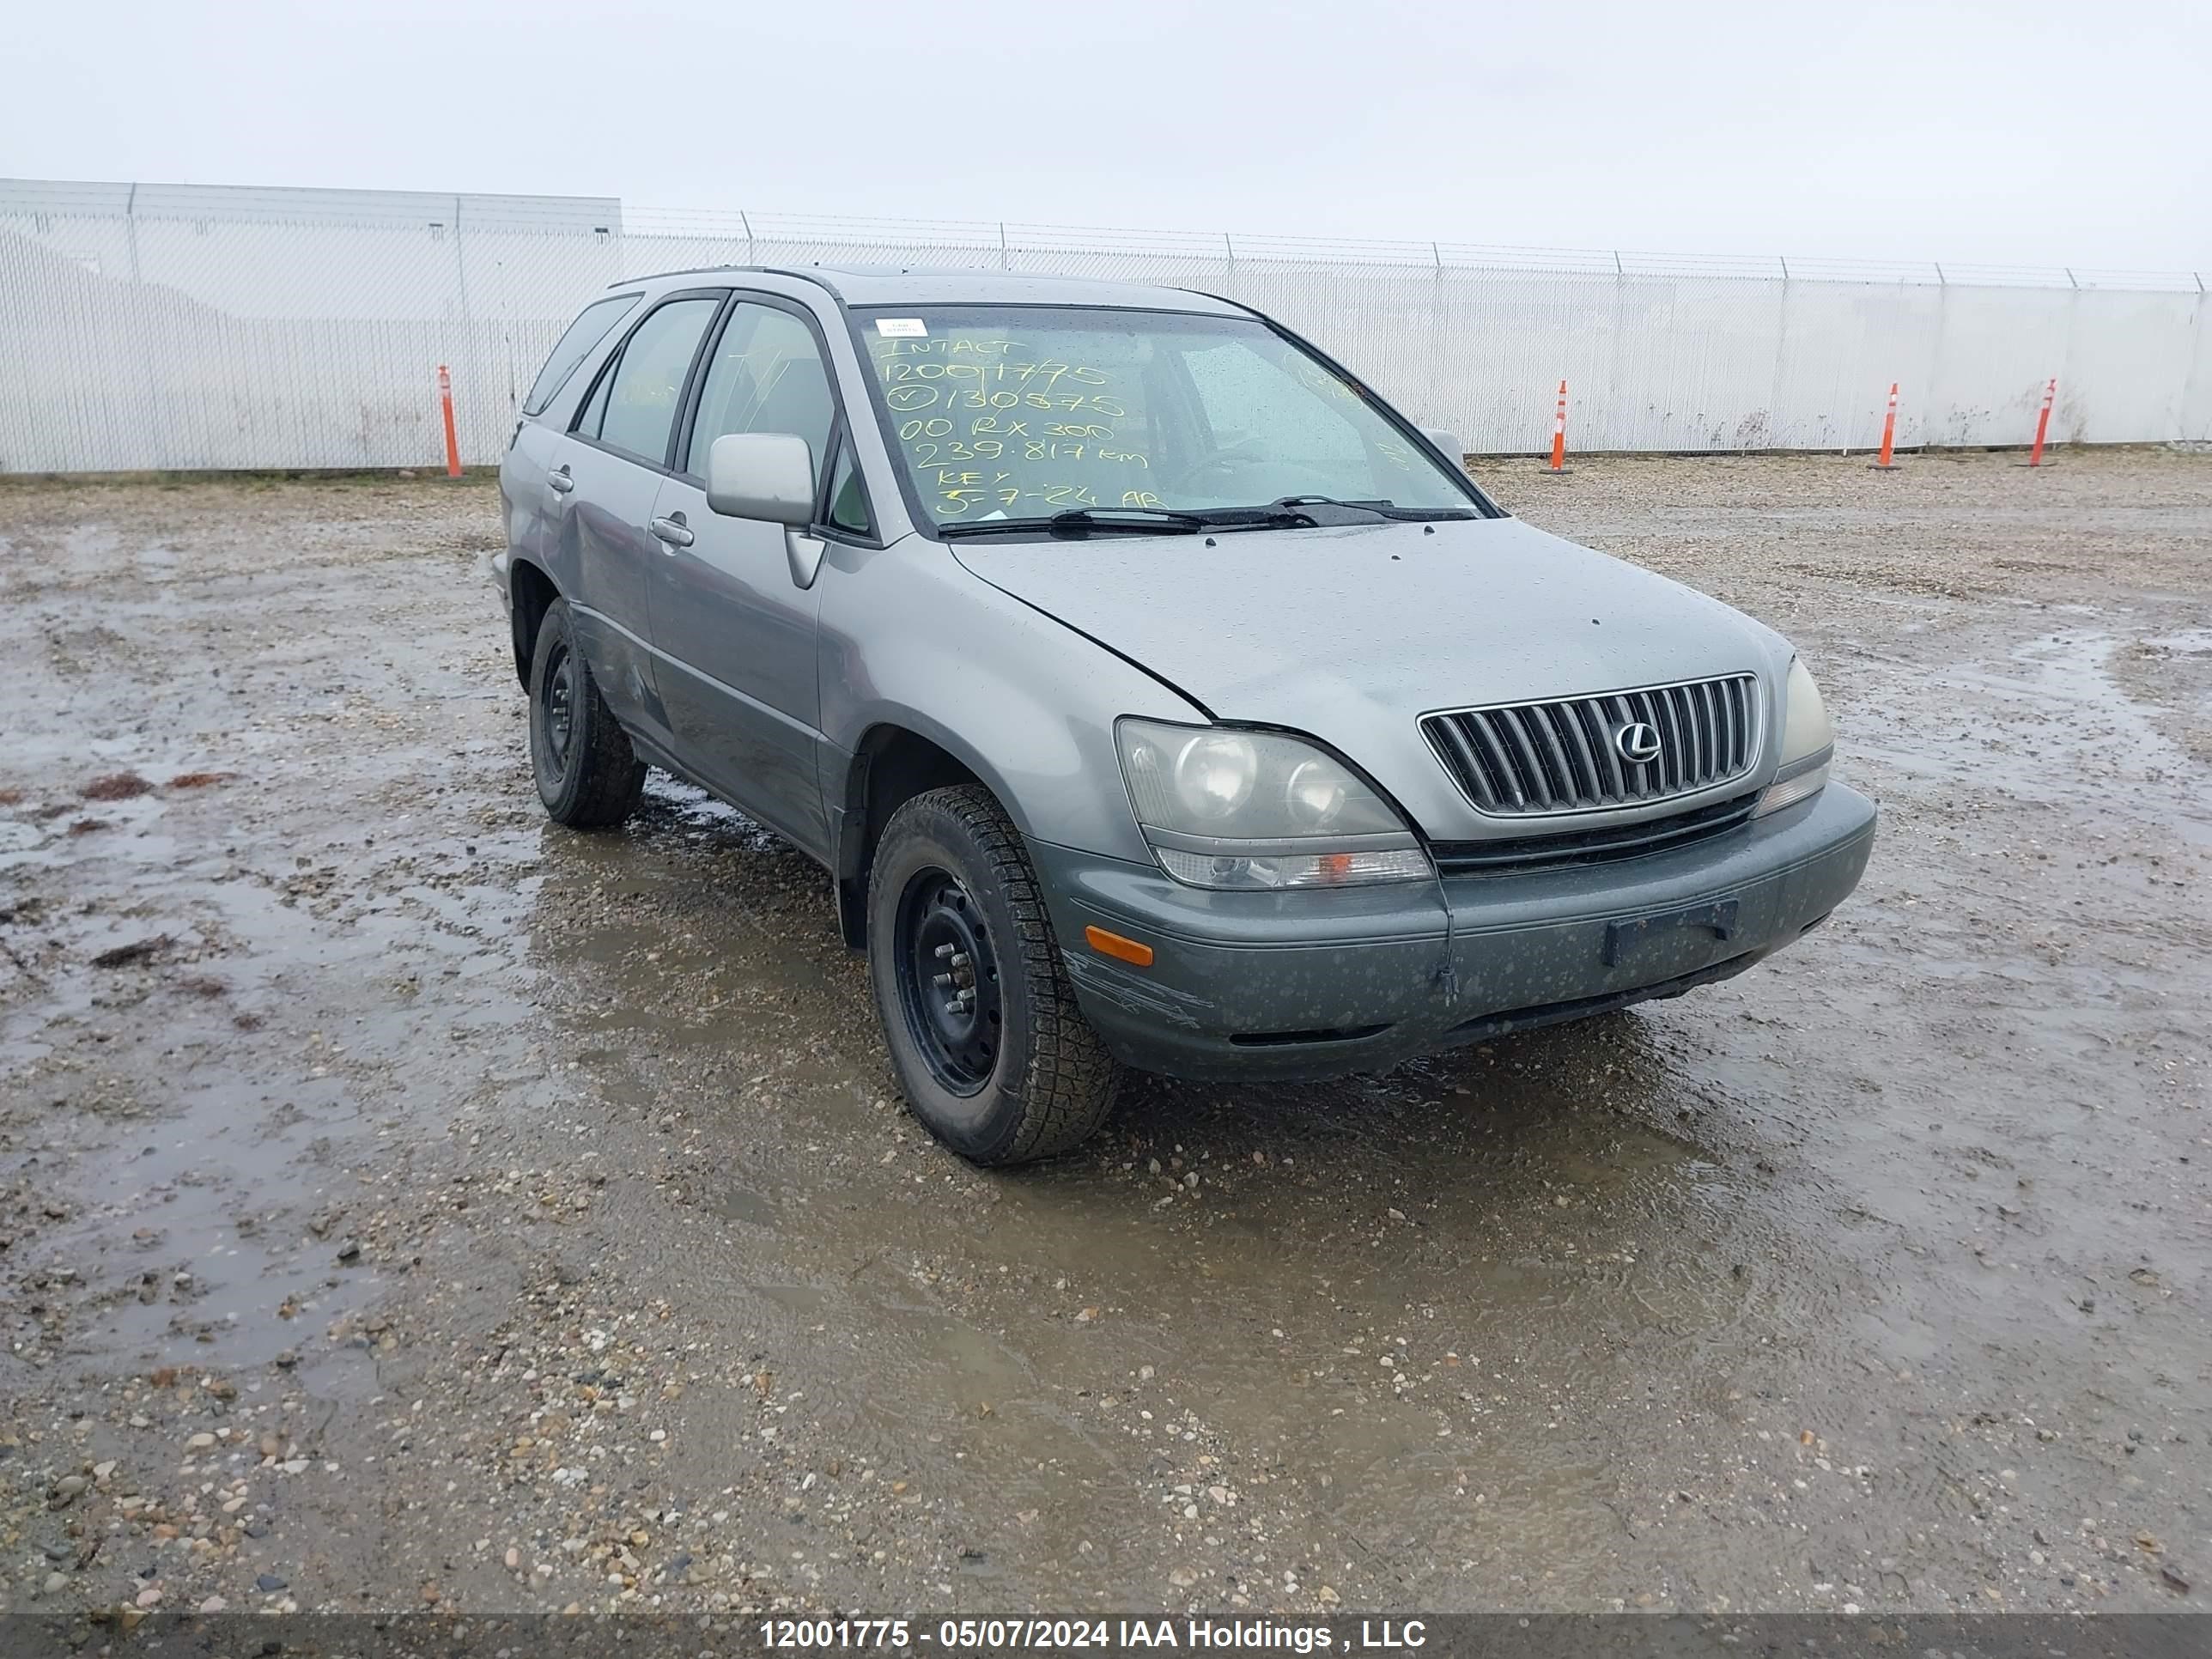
x=1277, y=516
x=1381, y=509
x=1290, y=513
x=1084, y=521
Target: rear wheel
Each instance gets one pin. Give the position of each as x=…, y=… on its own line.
x=992, y=1052
x=588, y=775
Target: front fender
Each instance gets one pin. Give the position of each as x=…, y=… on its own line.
x=911, y=639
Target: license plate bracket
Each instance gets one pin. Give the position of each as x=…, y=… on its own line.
x=1717, y=914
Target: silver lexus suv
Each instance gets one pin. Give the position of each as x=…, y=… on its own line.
x=1154, y=694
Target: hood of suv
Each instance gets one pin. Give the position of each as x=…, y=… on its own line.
x=1352, y=633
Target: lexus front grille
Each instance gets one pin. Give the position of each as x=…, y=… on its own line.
x=1619, y=749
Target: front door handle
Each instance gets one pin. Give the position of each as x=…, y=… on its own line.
x=673, y=532
x=562, y=483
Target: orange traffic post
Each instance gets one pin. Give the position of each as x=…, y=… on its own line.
x=1559, y=432
x=445, y=407
x=1888, y=434
x=2043, y=421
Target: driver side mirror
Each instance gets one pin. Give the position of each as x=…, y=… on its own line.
x=761, y=474
x=1447, y=441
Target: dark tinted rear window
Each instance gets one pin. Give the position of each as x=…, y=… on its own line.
x=590, y=328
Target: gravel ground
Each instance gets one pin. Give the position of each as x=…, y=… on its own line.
x=403, y=1202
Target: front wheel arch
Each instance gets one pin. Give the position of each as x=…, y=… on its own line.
x=892, y=764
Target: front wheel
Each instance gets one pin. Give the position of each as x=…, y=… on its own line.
x=992, y=1052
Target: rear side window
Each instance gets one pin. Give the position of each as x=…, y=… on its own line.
x=648, y=384
x=590, y=328
x=595, y=406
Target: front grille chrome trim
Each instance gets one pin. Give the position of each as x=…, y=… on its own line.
x=1557, y=756
x=1521, y=854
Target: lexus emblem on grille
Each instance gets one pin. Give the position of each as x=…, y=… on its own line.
x=1637, y=741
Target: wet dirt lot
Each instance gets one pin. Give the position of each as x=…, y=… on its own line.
x=404, y=1201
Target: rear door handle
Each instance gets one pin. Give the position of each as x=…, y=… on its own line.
x=562, y=483
x=672, y=531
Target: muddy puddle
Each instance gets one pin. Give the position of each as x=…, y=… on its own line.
x=529, y=1217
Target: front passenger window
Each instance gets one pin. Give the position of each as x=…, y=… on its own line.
x=648, y=384
x=766, y=375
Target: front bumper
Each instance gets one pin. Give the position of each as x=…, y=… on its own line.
x=1318, y=984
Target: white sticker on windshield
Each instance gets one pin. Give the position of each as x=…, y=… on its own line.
x=902, y=328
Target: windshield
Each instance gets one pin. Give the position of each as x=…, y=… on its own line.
x=1001, y=412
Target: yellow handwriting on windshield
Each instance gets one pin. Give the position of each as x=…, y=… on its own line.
x=988, y=425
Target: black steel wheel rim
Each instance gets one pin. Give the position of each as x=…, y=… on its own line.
x=556, y=701
x=948, y=980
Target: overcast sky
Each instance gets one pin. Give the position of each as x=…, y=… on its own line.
x=2021, y=133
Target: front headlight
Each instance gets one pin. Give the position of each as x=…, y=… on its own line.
x=1808, y=744
x=1225, y=808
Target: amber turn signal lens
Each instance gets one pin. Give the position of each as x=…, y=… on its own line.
x=1123, y=949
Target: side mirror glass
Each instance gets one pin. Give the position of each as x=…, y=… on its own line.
x=761, y=474
x=1447, y=441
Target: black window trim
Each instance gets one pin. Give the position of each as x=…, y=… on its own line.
x=613, y=365
x=841, y=443
x=590, y=393
x=840, y=420
x=918, y=514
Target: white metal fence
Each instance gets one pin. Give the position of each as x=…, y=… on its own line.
x=169, y=326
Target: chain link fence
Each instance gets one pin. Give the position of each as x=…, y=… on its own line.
x=169, y=326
